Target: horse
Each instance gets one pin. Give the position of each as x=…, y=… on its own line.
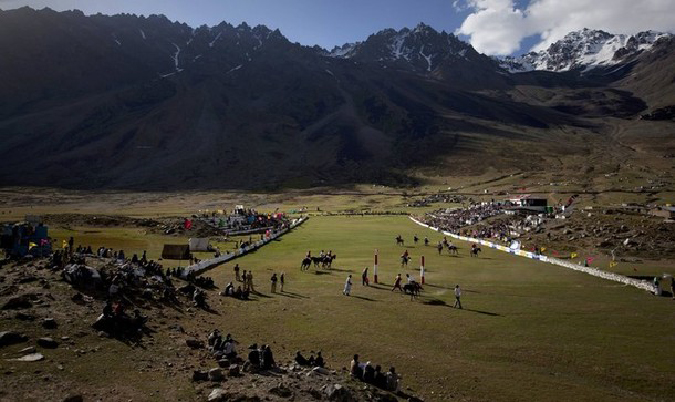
x=453, y=250
x=413, y=289
x=306, y=262
x=399, y=240
x=317, y=261
x=404, y=260
x=474, y=251
x=328, y=261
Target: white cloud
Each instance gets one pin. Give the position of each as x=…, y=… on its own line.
x=498, y=27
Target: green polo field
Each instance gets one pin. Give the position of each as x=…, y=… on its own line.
x=528, y=330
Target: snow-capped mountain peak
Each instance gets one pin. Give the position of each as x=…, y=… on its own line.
x=421, y=48
x=583, y=50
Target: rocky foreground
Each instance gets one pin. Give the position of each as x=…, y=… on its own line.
x=50, y=351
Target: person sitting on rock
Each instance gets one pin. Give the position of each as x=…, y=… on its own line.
x=199, y=298
x=266, y=358
x=229, y=290
x=300, y=359
x=213, y=336
x=318, y=362
x=356, y=371
x=392, y=380
x=108, y=309
x=311, y=360
x=369, y=374
x=254, y=355
x=380, y=378
x=230, y=348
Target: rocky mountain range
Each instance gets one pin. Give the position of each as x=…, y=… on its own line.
x=585, y=50
x=129, y=101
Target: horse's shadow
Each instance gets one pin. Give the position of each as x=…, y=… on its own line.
x=292, y=295
x=322, y=273
x=362, y=298
x=442, y=303
x=341, y=270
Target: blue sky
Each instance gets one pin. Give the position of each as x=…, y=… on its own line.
x=324, y=22
x=491, y=26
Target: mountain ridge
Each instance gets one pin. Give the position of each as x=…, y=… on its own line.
x=584, y=50
x=130, y=102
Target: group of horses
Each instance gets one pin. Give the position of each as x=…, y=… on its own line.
x=452, y=249
x=325, y=261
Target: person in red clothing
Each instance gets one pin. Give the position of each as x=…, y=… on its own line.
x=397, y=283
x=118, y=309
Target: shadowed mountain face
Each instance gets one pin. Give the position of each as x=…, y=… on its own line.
x=131, y=102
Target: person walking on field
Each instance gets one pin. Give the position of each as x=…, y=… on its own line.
x=397, y=283
x=249, y=281
x=458, y=293
x=348, y=286
x=281, y=281
x=364, y=277
x=274, y=280
x=236, y=272
x=439, y=247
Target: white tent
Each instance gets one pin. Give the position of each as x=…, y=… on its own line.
x=199, y=243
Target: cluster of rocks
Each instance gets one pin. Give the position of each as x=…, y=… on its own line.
x=99, y=221
x=437, y=198
x=290, y=382
x=630, y=236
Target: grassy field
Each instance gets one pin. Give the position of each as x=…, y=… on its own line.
x=529, y=331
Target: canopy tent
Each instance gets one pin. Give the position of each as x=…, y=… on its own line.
x=176, y=252
x=199, y=243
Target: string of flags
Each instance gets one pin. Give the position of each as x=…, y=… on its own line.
x=589, y=260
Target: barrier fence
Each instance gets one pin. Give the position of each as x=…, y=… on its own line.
x=210, y=263
x=640, y=284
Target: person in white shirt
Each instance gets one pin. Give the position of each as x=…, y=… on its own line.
x=348, y=286
x=458, y=293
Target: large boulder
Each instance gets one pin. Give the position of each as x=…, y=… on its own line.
x=195, y=343
x=338, y=393
x=233, y=370
x=200, y=376
x=11, y=337
x=215, y=375
x=48, y=343
x=49, y=323
x=18, y=302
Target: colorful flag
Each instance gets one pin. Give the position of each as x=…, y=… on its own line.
x=574, y=255
x=612, y=264
x=555, y=252
x=31, y=245
x=543, y=249
x=590, y=259
x=44, y=242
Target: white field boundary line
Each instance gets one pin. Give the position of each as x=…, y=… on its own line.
x=210, y=263
x=640, y=284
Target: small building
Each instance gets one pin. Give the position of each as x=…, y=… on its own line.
x=528, y=201
x=667, y=212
